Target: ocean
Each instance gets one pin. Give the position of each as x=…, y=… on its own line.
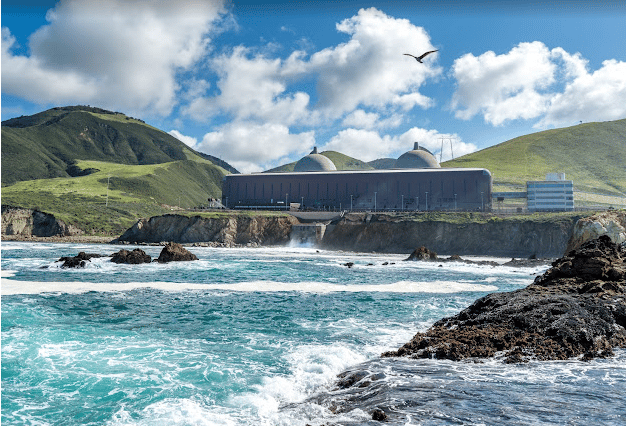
x=258, y=336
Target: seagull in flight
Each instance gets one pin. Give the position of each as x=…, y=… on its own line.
x=419, y=58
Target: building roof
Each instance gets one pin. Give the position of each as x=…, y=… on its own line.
x=314, y=162
x=418, y=158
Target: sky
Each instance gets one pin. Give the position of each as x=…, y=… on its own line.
x=259, y=84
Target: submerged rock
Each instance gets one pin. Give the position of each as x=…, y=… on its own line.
x=576, y=308
x=174, y=252
x=131, y=257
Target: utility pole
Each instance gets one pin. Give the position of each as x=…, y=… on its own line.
x=450, y=139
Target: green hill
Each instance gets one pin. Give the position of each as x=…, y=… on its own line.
x=593, y=155
x=341, y=161
x=101, y=170
x=47, y=144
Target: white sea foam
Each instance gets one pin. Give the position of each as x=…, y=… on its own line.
x=10, y=287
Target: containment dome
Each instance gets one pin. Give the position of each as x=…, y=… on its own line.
x=314, y=162
x=418, y=158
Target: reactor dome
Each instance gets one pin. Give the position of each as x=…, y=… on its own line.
x=314, y=162
x=418, y=158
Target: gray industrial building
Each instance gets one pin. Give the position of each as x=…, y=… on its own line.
x=417, y=183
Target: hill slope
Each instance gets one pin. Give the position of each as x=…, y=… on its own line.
x=593, y=155
x=101, y=171
x=47, y=144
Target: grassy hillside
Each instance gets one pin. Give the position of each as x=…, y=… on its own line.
x=61, y=161
x=133, y=192
x=46, y=145
x=341, y=161
x=593, y=155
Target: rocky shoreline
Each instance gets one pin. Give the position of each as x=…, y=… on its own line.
x=575, y=309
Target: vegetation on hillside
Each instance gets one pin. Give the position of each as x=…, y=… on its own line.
x=111, y=199
x=593, y=155
x=48, y=144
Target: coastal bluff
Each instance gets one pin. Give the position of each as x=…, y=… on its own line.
x=231, y=230
x=544, y=236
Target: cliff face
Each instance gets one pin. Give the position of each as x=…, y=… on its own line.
x=232, y=230
x=516, y=238
x=26, y=223
x=611, y=223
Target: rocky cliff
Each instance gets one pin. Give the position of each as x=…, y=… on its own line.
x=490, y=236
x=228, y=231
x=32, y=223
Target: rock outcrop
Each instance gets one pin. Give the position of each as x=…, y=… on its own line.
x=134, y=257
x=174, y=252
x=577, y=308
x=227, y=230
x=611, y=223
x=78, y=261
x=24, y=222
x=422, y=253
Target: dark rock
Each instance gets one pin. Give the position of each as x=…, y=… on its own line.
x=78, y=261
x=174, y=252
x=132, y=257
x=349, y=264
x=576, y=308
x=379, y=415
x=422, y=253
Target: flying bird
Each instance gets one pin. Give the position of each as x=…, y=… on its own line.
x=419, y=58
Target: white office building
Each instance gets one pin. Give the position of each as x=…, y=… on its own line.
x=553, y=194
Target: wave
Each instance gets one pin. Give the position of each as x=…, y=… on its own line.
x=12, y=287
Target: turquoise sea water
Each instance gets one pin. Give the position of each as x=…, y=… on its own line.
x=258, y=336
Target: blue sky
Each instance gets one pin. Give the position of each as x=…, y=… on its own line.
x=258, y=84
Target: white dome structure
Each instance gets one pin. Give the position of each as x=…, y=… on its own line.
x=418, y=158
x=314, y=162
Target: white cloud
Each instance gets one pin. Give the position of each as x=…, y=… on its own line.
x=369, y=145
x=597, y=96
x=253, y=147
x=533, y=82
x=124, y=54
x=503, y=87
x=370, y=68
x=251, y=88
x=360, y=119
x=187, y=140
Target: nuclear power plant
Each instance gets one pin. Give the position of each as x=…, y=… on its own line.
x=417, y=183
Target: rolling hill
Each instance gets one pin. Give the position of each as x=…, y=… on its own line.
x=100, y=170
x=593, y=155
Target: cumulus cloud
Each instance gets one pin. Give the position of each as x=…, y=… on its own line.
x=368, y=145
x=187, y=140
x=596, y=96
x=251, y=147
x=503, y=87
x=120, y=53
x=370, y=69
x=251, y=87
x=534, y=82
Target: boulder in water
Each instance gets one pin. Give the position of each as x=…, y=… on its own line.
x=131, y=257
x=78, y=261
x=174, y=252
